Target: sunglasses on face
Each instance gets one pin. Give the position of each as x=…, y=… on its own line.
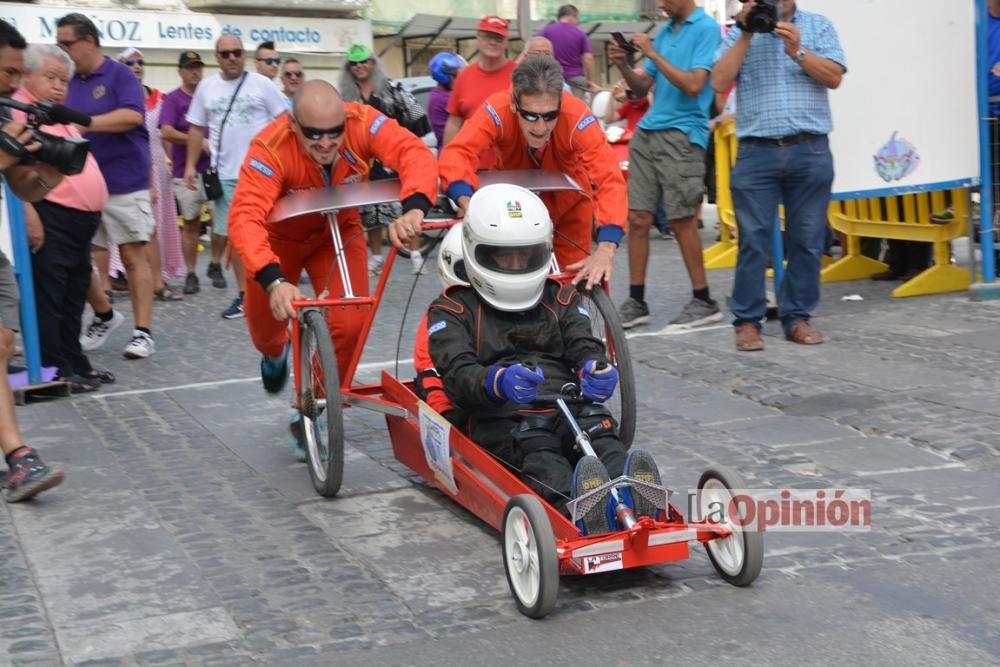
x=533, y=116
x=133, y=63
x=363, y=62
x=66, y=45
x=269, y=61
x=317, y=133
x=292, y=74
x=230, y=53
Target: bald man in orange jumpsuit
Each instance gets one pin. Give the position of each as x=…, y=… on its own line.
x=324, y=142
x=538, y=125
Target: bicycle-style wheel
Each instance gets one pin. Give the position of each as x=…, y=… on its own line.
x=320, y=405
x=608, y=327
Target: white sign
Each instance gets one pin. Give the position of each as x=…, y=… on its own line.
x=435, y=434
x=905, y=116
x=192, y=30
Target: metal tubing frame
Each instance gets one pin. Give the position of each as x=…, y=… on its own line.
x=986, y=202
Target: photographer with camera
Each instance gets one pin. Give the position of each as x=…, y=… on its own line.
x=60, y=229
x=783, y=62
x=27, y=474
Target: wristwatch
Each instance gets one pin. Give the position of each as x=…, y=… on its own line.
x=275, y=283
x=800, y=56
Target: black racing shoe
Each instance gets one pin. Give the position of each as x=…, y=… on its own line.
x=28, y=476
x=214, y=274
x=641, y=466
x=191, y=285
x=588, y=475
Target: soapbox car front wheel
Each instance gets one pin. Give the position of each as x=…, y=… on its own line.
x=737, y=558
x=529, y=556
x=319, y=404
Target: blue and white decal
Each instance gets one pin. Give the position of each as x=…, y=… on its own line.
x=437, y=326
x=586, y=122
x=376, y=124
x=493, y=113
x=349, y=156
x=261, y=167
x=583, y=311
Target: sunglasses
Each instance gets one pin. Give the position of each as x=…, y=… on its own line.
x=316, y=133
x=292, y=74
x=361, y=62
x=532, y=116
x=230, y=53
x=269, y=61
x=133, y=63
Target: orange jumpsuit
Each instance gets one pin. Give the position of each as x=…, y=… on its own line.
x=577, y=148
x=277, y=165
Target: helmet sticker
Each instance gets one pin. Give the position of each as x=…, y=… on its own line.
x=514, y=209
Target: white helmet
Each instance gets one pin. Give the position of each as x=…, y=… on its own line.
x=451, y=264
x=507, y=244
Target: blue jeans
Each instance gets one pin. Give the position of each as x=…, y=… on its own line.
x=799, y=176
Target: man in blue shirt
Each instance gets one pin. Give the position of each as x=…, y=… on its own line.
x=782, y=121
x=667, y=152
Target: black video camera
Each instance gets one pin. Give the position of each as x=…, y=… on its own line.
x=65, y=154
x=763, y=17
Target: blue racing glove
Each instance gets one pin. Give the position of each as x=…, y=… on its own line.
x=514, y=383
x=598, y=384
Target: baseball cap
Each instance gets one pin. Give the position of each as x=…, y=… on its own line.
x=358, y=53
x=190, y=58
x=494, y=24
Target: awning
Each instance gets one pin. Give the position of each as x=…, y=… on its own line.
x=457, y=28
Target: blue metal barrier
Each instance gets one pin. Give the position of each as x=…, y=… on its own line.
x=26, y=285
x=986, y=240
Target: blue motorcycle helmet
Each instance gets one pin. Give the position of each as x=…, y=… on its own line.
x=445, y=66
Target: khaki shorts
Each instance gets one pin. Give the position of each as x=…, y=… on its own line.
x=127, y=218
x=664, y=167
x=189, y=202
x=10, y=315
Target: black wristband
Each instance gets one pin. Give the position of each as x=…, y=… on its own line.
x=417, y=200
x=269, y=274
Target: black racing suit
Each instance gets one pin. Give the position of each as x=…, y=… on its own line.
x=467, y=337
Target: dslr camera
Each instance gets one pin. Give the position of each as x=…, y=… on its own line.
x=68, y=155
x=763, y=17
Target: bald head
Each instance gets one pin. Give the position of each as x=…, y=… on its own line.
x=230, y=56
x=317, y=98
x=228, y=42
x=536, y=46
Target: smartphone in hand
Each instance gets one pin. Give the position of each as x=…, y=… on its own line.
x=624, y=43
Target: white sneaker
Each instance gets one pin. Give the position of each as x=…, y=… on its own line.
x=140, y=347
x=375, y=265
x=99, y=330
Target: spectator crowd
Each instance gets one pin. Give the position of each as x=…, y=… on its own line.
x=165, y=168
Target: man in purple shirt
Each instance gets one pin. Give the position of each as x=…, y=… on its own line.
x=572, y=50
x=443, y=67
x=173, y=129
x=109, y=92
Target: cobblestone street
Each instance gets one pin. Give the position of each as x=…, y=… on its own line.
x=185, y=532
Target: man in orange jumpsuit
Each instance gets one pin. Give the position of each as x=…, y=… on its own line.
x=537, y=125
x=324, y=142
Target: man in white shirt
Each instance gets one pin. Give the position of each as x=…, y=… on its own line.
x=234, y=105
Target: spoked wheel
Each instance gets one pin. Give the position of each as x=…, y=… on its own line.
x=739, y=557
x=529, y=556
x=608, y=327
x=319, y=404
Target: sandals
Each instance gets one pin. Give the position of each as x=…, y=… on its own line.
x=748, y=338
x=166, y=293
x=81, y=385
x=102, y=375
x=804, y=333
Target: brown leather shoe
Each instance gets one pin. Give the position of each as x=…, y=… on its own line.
x=748, y=338
x=804, y=333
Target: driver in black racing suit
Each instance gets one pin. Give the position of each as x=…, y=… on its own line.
x=513, y=333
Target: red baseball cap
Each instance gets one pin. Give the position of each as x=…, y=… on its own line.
x=494, y=24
